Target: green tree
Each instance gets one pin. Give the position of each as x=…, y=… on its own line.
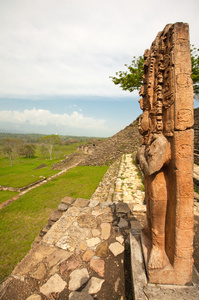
x=49, y=141
x=28, y=150
x=131, y=79
x=195, y=70
x=11, y=148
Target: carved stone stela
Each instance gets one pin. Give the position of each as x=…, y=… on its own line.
x=166, y=156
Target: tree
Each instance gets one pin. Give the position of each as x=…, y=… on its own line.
x=131, y=80
x=49, y=141
x=11, y=148
x=29, y=150
x=195, y=70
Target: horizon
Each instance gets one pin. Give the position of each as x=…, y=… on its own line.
x=56, y=59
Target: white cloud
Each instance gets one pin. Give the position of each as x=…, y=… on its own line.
x=51, y=47
x=43, y=117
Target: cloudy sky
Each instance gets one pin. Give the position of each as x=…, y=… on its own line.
x=56, y=57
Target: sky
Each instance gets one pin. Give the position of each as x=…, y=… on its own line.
x=56, y=57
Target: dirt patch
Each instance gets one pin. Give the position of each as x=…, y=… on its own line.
x=40, y=166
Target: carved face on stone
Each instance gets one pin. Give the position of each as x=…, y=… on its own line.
x=159, y=124
x=143, y=125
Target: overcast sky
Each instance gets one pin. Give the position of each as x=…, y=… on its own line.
x=56, y=57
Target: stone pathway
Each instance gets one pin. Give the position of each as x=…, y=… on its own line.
x=81, y=252
x=122, y=182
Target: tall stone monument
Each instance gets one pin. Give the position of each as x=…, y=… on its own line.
x=166, y=156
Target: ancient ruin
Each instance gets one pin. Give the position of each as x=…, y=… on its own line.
x=166, y=156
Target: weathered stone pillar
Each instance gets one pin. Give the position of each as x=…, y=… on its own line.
x=166, y=156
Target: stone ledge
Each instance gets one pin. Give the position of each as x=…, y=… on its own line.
x=144, y=290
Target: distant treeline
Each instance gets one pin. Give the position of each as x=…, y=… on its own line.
x=35, y=137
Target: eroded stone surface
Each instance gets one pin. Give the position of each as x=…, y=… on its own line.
x=98, y=265
x=88, y=255
x=87, y=221
x=80, y=202
x=63, y=206
x=116, y=248
x=106, y=231
x=93, y=242
x=78, y=278
x=80, y=296
x=102, y=249
x=40, y=273
x=166, y=155
x=94, y=285
x=68, y=200
x=54, y=285
x=34, y=297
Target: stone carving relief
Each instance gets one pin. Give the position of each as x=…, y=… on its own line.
x=166, y=155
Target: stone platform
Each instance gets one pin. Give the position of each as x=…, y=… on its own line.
x=142, y=290
x=84, y=250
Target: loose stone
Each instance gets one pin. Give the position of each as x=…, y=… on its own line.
x=116, y=248
x=106, y=231
x=120, y=239
x=54, y=285
x=88, y=255
x=93, y=242
x=80, y=296
x=78, y=278
x=70, y=265
x=63, y=207
x=68, y=200
x=94, y=285
x=98, y=265
x=123, y=223
x=102, y=250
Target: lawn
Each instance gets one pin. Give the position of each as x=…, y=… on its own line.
x=5, y=195
x=26, y=171
x=22, y=220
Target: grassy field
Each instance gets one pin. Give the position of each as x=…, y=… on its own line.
x=25, y=171
x=22, y=220
x=5, y=195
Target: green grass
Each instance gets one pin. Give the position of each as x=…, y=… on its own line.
x=24, y=172
x=5, y=195
x=22, y=220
